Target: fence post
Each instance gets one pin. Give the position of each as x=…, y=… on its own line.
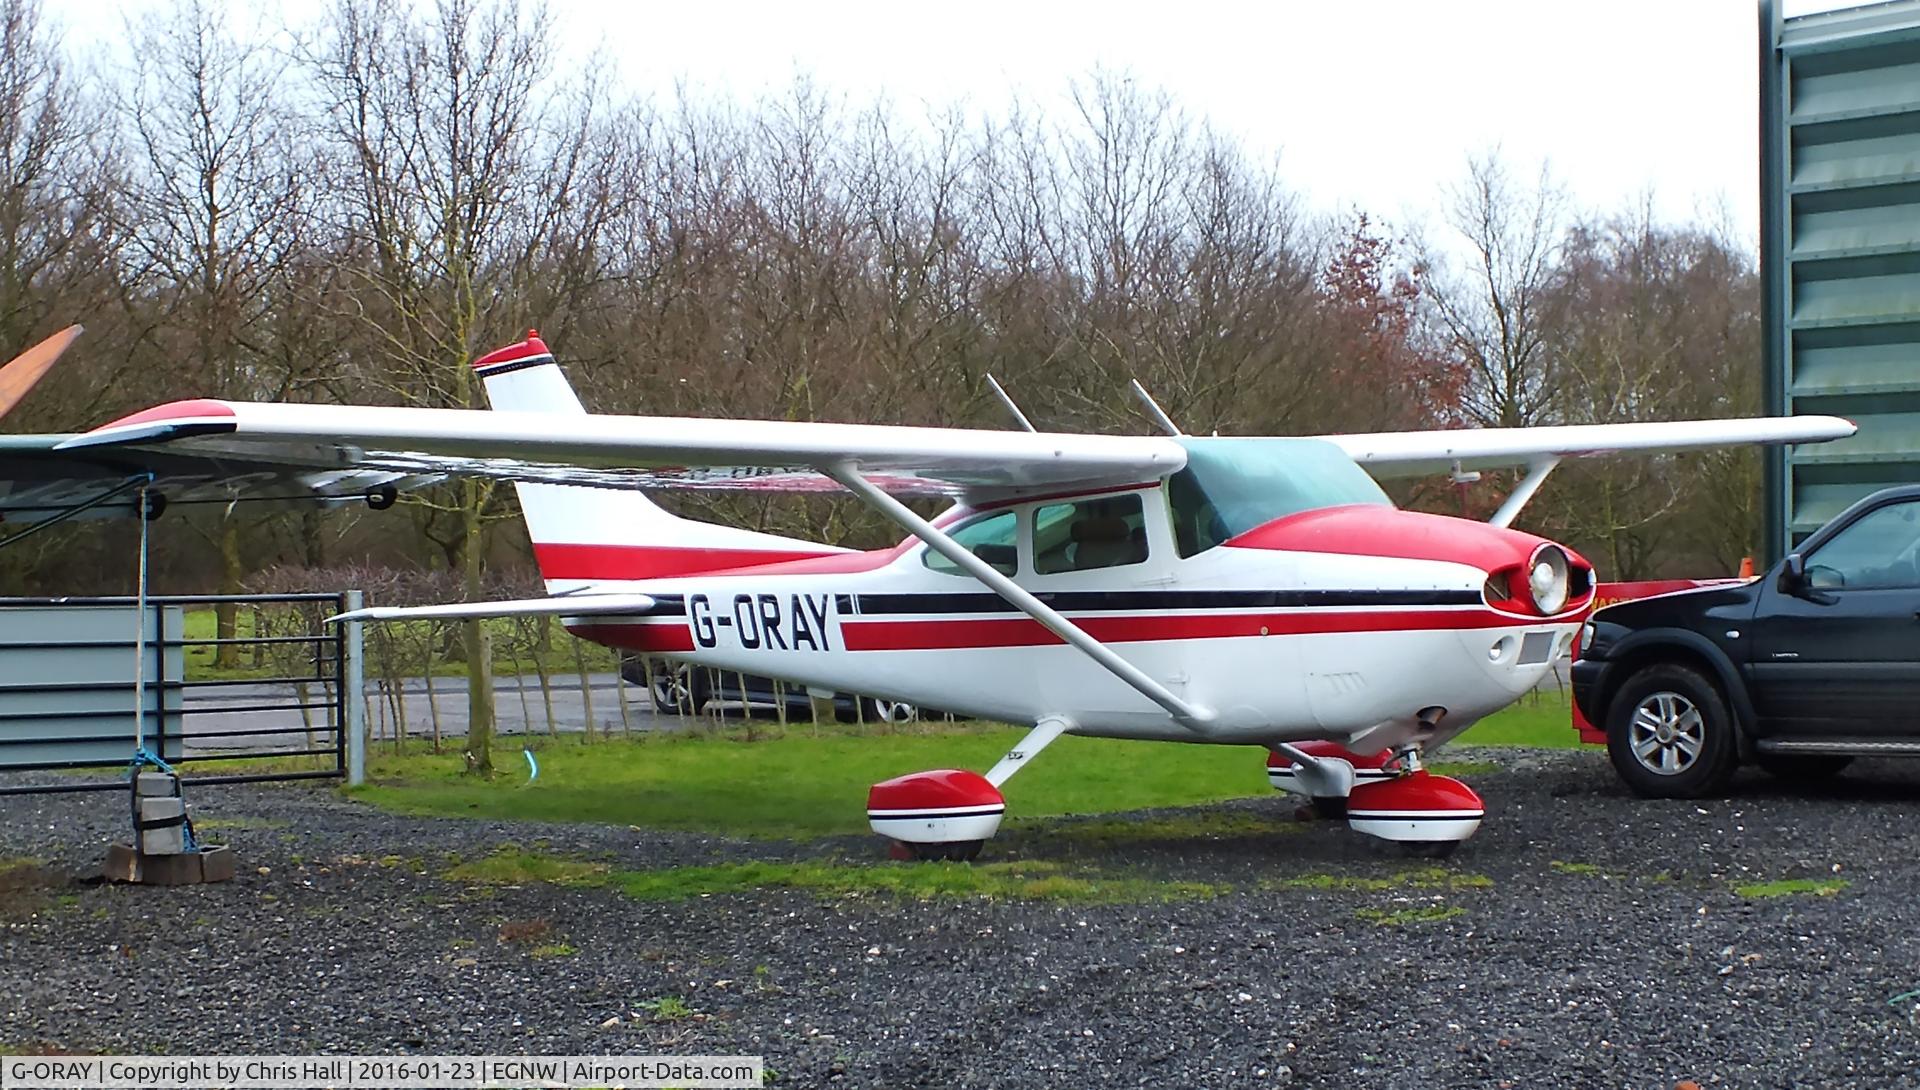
x=353, y=685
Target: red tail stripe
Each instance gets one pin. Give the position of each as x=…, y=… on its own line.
x=652, y=561
x=662, y=638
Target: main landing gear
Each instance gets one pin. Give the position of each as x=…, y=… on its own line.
x=1387, y=794
x=950, y=813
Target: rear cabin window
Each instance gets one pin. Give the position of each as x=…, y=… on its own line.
x=1107, y=532
x=992, y=538
x=1230, y=486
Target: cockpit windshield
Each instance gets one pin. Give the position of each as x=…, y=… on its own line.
x=1231, y=486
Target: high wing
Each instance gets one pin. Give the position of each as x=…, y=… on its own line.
x=639, y=451
x=1419, y=453
x=780, y=455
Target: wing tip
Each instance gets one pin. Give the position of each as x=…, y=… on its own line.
x=173, y=420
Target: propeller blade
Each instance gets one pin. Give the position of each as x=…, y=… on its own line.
x=23, y=371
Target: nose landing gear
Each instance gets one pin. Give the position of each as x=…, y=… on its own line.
x=1389, y=794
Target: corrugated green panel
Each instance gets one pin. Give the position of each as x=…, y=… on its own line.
x=1841, y=246
x=1856, y=300
x=66, y=684
x=1891, y=85
x=1879, y=151
x=1838, y=363
x=1883, y=437
x=1856, y=222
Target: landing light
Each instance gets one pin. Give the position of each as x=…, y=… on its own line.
x=1547, y=579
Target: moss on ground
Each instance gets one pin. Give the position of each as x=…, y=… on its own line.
x=1031, y=880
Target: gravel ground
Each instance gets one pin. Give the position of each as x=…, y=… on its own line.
x=1607, y=948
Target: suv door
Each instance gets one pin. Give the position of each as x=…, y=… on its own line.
x=1840, y=654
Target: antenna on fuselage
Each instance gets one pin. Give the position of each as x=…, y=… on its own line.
x=1154, y=411
x=1001, y=393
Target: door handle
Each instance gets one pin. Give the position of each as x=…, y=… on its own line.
x=1786, y=654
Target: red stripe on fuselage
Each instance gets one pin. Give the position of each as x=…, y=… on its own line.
x=863, y=635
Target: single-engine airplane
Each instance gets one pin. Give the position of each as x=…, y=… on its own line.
x=1252, y=591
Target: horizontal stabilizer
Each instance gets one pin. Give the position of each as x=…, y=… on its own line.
x=583, y=605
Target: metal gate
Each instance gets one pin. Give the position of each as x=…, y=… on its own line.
x=82, y=687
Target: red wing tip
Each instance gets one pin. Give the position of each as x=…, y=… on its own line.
x=524, y=351
x=196, y=409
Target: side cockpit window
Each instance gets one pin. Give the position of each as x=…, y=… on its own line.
x=1108, y=532
x=992, y=538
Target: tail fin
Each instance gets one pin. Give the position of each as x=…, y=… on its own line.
x=587, y=536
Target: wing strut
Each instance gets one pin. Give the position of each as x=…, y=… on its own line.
x=1153, y=409
x=1191, y=716
x=1007, y=400
x=1537, y=471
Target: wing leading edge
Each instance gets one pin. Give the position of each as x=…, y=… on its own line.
x=641, y=451
x=1418, y=453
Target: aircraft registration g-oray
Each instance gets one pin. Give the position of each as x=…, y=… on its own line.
x=1252, y=591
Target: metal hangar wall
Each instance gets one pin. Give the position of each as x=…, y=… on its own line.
x=1840, y=252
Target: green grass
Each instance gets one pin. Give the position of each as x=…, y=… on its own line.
x=1020, y=881
x=1792, y=887
x=238, y=821
x=1201, y=825
x=1400, y=917
x=511, y=866
x=804, y=786
x=809, y=782
x=1541, y=720
x=668, y=1008
x=1420, y=878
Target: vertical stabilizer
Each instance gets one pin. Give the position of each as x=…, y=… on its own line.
x=584, y=535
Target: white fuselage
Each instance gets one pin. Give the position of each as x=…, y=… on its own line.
x=1279, y=645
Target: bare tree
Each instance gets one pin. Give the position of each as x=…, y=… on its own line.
x=1492, y=312
x=215, y=213
x=461, y=158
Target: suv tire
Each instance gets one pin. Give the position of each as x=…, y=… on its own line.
x=1669, y=734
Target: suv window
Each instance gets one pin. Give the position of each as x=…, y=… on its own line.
x=1108, y=532
x=1876, y=550
x=991, y=538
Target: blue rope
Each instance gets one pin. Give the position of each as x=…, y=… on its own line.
x=533, y=766
x=142, y=756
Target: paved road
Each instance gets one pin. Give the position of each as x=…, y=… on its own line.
x=232, y=717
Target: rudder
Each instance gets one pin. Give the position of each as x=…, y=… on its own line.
x=583, y=535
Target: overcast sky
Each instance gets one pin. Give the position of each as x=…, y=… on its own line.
x=1375, y=105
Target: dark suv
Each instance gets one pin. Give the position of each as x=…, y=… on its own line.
x=1800, y=671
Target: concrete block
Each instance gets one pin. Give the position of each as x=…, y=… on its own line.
x=155, y=783
x=162, y=809
x=181, y=869
x=168, y=841
x=216, y=864
x=123, y=864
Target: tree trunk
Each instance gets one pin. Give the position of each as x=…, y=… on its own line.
x=477, y=640
x=226, y=615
